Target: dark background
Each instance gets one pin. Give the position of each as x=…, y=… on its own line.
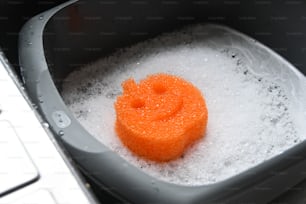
x=14, y=13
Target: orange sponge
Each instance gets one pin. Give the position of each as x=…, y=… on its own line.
x=160, y=117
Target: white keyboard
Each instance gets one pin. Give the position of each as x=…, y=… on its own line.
x=33, y=169
x=17, y=169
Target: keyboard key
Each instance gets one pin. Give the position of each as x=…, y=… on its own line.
x=16, y=168
x=39, y=197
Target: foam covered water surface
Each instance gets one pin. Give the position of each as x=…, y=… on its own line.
x=255, y=99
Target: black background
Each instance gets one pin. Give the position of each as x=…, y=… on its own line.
x=13, y=14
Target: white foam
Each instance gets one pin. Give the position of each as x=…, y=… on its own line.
x=251, y=95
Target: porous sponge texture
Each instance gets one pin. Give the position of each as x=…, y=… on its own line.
x=160, y=117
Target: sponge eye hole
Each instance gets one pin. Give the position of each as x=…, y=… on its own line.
x=137, y=103
x=159, y=88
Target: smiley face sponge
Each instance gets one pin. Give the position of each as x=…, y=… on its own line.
x=160, y=117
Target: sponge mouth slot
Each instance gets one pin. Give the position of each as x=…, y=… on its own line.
x=64, y=41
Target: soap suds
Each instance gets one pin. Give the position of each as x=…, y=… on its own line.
x=251, y=95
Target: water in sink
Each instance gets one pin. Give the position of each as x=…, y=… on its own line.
x=256, y=100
